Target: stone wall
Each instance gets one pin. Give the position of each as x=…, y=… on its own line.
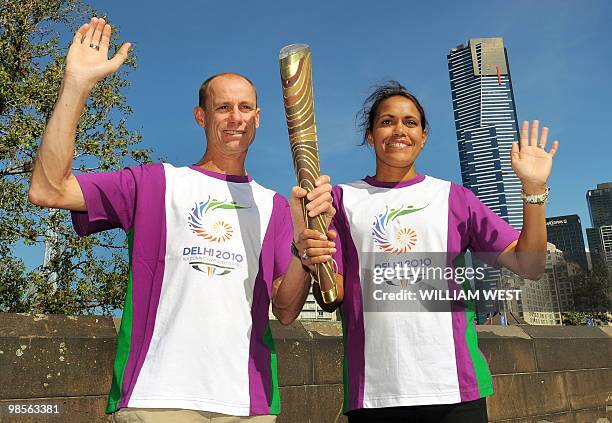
x=542, y=374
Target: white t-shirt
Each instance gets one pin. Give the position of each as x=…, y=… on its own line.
x=394, y=357
x=204, y=249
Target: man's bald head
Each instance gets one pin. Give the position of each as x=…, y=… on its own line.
x=204, y=88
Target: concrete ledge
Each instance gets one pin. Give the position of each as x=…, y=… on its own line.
x=55, y=367
x=542, y=374
x=531, y=394
x=508, y=349
x=53, y=326
x=74, y=410
x=589, y=388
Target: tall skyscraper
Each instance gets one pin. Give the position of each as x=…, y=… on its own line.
x=565, y=232
x=606, y=243
x=486, y=124
x=600, y=235
x=595, y=247
x=600, y=205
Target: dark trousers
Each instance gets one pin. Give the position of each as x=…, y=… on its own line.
x=463, y=412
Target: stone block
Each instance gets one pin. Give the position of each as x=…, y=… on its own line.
x=294, y=362
x=325, y=329
x=508, y=349
x=52, y=367
x=607, y=330
x=570, y=347
x=325, y=403
x=571, y=354
x=563, y=332
x=73, y=410
x=294, y=352
x=527, y=395
x=293, y=331
x=548, y=418
x=599, y=415
x=327, y=356
x=294, y=405
x=54, y=325
x=589, y=388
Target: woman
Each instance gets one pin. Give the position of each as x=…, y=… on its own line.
x=421, y=366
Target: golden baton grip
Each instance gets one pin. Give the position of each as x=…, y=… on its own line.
x=296, y=77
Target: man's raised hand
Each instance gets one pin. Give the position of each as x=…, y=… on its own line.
x=87, y=61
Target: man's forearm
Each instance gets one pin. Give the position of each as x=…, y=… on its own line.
x=53, y=165
x=291, y=293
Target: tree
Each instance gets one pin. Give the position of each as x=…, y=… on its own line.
x=82, y=275
x=592, y=291
x=592, y=297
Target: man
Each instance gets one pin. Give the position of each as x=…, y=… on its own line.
x=209, y=248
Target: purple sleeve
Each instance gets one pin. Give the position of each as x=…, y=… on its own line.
x=283, y=235
x=487, y=232
x=109, y=198
x=339, y=224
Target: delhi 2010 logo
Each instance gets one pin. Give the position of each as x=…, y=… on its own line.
x=217, y=231
x=399, y=241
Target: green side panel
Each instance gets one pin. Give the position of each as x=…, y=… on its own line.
x=123, y=339
x=481, y=368
x=274, y=391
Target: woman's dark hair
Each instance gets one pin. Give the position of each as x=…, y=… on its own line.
x=367, y=114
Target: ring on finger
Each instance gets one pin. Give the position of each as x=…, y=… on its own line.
x=541, y=146
x=305, y=255
x=94, y=46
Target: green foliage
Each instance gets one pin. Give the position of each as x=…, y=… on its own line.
x=592, y=291
x=592, y=297
x=86, y=275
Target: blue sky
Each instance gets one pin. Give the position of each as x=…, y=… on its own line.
x=558, y=53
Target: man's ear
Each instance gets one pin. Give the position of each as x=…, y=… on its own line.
x=200, y=116
x=257, y=112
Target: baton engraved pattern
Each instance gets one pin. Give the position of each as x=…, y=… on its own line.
x=296, y=78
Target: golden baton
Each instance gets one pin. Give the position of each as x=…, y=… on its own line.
x=296, y=77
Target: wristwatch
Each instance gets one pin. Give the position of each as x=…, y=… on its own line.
x=294, y=250
x=535, y=198
x=296, y=253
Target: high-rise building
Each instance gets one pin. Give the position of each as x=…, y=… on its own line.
x=606, y=243
x=542, y=302
x=600, y=205
x=486, y=126
x=595, y=247
x=599, y=236
x=600, y=246
x=566, y=233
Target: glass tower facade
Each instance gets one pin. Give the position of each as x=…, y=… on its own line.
x=486, y=125
x=600, y=205
x=565, y=232
x=600, y=235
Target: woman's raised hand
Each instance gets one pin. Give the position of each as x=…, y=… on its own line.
x=530, y=160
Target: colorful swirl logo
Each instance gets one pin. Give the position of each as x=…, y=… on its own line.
x=403, y=240
x=219, y=231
